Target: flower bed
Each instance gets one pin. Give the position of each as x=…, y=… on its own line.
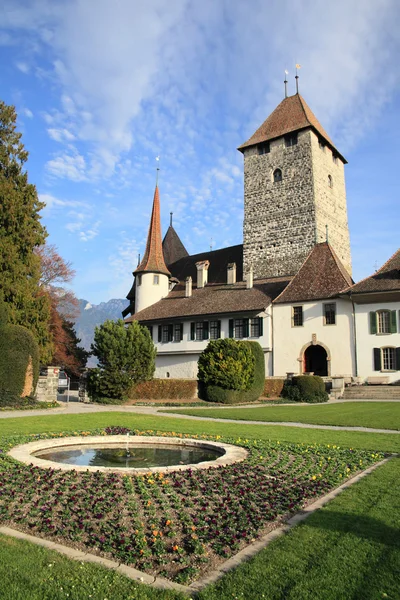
x=176, y=525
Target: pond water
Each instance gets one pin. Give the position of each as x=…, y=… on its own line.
x=136, y=457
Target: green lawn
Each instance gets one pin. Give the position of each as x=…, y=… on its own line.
x=378, y=415
x=347, y=551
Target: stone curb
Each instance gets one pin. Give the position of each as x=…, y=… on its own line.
x=25, y=452
x=139, y=576
x=253, y=549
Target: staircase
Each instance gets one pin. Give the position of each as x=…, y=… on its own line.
x=372, y=392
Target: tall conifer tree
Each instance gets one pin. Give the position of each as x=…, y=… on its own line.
x=20, y=233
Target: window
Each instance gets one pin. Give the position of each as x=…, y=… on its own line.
x=156, y=279
x=139, y=280
x=239, y=328
x=256, y=327
x=330, y=181
x=215, y=330
x=383, y=321
x=290, y=140
x=199, y=330
x=388, y=359
x=335, y=158
x=170, y=332
x=277, y=175
x=330, y=314
x=264, y=148
x=321, y=144
x=297, y=316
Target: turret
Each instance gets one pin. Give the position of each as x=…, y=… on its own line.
x=152, y=275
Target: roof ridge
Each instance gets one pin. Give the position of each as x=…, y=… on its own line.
x=381, y=270
x=339, y=264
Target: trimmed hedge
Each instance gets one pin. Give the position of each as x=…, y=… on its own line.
x=273, y=387
x=227, y=363
x=17, y=347
x=305, y=388
x=165, y=389
x=215, y=393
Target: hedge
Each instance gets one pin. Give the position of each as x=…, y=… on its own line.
x=17, y=347
x=273, y=387
x=164, y=389
x=215, y=393
x=305, y=388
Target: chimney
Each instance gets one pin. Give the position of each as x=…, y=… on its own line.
x=202, y=273
x=231, y=275
x=188, y=287
x=249, y=279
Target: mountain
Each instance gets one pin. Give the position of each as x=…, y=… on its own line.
x=95, y=314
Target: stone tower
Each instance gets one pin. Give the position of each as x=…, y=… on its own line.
x=294, y=192
x=152, y=275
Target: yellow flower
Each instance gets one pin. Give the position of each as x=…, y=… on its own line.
x=175, y=548
x=313, y=477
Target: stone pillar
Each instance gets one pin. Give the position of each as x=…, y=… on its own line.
x=47, y=386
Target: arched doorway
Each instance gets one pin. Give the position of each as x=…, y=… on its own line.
x=316, y=360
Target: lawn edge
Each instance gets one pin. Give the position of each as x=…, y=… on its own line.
x=252, y=549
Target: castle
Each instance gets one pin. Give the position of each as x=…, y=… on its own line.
x=289, y=285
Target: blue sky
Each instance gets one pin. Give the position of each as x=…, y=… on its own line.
x=103, y=87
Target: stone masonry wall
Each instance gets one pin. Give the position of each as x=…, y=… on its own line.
x=283, y=219
x=46, y=390
x=279, y=217
x=330, y=202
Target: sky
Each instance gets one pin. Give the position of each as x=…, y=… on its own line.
x=104, y=87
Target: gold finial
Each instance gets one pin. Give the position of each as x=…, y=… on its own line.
x=158, y=168
x=297, y=78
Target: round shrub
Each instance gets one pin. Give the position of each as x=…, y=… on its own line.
x=227, y=363
x=216, y=393
x=19, y=358
x=306, y=388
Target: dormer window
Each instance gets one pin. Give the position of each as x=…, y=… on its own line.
x=290, y=140
x=264, y=148
x=277, y=175
x=330, y=181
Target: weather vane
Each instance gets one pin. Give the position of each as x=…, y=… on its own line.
x=297, y=78
x=285, y=82
x=158, y=168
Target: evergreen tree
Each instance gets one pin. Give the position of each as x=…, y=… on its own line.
x=20, y=233
x=126, y=355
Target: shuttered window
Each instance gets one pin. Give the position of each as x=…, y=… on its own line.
x=383, y=322
x=256, y=327
x=170, y=332
x=215, y=330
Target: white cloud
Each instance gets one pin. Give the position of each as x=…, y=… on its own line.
x=70, y=165
x=61, y=135
x=27, y=113
x=23, y=67
x=90, y=233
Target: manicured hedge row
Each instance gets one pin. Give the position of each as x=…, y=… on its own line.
x=305, y=388
x=165, y=389
x=17, y=347
x=273, y=387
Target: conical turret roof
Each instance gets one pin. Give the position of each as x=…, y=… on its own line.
x=153, y=259
x=292, y=114
x=173, y=248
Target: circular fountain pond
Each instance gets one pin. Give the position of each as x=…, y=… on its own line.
x=124, y=453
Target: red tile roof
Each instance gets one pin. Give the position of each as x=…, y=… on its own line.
x=153, y=259
x=386, y=279
x=322, y=275
x=213, y=299
x=292, y=114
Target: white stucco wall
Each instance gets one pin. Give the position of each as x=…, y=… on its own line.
x=366, y=342
x=179, y=359
x=290, y=342
x=148, y=293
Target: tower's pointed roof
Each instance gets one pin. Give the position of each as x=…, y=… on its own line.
x=292, y=114
x=172, y=246
x=153, y=259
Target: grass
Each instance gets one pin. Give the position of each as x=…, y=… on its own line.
x=58, y=423
x=377, y=415
x=347, y=551
x=350, y=549
x=30, y=572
